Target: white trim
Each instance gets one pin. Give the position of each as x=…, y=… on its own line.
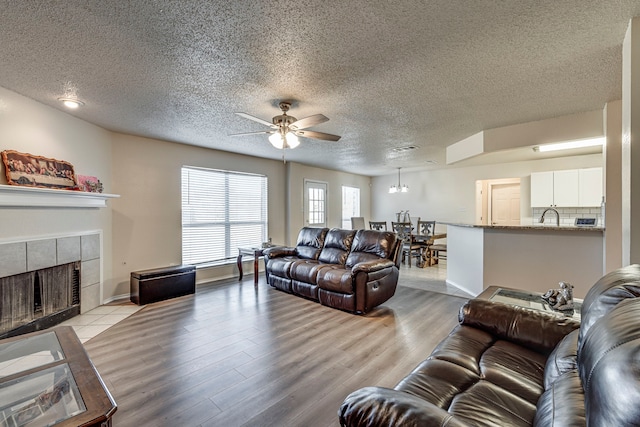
x=17, y=196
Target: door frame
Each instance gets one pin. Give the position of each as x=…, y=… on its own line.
x=490, y=184
x=305, y=200
x=483, y=197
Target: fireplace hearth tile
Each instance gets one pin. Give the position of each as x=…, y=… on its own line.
x=90, y=297
x=68, y=249
x=41, y=254
x=90, y=272
x=14, y=259
x=90, y=247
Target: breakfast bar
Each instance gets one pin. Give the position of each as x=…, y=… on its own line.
x=527, y=257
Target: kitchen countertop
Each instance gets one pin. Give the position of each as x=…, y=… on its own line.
x=526, y=227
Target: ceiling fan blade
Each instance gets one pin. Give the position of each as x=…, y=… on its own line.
x=307, y=122
x=252, y=133
x=256, y=119
x=317, y=135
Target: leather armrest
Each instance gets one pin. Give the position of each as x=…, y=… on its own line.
x=379, y=406
x=538, y=330
x=369, y=266
x=279, y=251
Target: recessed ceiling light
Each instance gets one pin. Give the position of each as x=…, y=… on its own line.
x=567, y=145
x=71, y=102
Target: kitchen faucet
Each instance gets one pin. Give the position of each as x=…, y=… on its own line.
x=541, y=220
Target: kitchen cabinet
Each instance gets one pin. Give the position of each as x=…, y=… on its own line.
x=591, y=187
x=542, y=189
x=555, y=188
x=567, y=188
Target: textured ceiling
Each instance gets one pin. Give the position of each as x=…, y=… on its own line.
x=387, y=74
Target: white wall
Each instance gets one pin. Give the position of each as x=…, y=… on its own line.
x=147, y=217
x=31, y=127
x=335, y=180
x=448, y=194
x=147, y=230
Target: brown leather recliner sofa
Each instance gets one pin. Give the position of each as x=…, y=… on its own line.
x=352, y=270
x=513, y=366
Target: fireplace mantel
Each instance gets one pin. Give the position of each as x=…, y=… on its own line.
x=17, y=196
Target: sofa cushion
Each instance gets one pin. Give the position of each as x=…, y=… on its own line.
x=337, y=245
x=514, y=368
x=485, y=404
x=562, y=359
x=305, y=270
x=310, y=242
x=608, y=363
x=609, y=291
x=468, y=355
x=464, y=346
x=562, y=404
x=438, y=381
x=281, y=266
x=335, y=278
x=371, y=245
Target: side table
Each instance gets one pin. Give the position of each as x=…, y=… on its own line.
x=257, y=253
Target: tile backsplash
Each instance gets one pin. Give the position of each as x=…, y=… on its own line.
x=567, y=215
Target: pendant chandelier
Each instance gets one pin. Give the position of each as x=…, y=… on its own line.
x=398, y=188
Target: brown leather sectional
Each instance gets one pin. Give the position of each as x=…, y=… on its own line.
x=352, y=270
x=513, y=366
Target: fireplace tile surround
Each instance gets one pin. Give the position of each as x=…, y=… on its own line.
x=21, y=257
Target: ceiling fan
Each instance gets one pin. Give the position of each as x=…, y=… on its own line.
x=286, y=129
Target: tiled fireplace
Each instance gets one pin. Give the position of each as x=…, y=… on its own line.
x=43, y=256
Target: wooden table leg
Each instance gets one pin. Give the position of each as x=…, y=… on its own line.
x=240, y=264
x=255, y=268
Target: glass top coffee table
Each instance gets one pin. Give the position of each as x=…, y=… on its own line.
x=528, y=299
x=47, y=378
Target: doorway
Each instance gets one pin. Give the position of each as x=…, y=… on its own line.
x=498, y=202
x=315, y=203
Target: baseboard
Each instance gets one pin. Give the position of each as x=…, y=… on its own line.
x=124, y=297
x=462, y=288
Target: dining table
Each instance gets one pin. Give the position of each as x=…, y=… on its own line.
x=427, y=240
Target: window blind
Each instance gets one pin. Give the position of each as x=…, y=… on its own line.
x=221, y=211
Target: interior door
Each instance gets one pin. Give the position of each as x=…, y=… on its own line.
x=315, y=203
x=505, y=204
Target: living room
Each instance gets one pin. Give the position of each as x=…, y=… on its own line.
x=140, y=228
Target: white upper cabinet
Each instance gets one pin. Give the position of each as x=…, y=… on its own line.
x=590, y=187
x=542, y=189
x=567, y=188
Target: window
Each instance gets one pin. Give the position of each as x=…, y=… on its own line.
x=316, y=206
x=350, y=205
x=221, y=211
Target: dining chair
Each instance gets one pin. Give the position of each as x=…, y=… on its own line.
x=410, y=247
x=378, y=225
x=426, y=230
x=414, y=222
x=357, y=223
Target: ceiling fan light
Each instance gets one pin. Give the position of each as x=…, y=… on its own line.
x=72, y=103
x=292, y=140
x=276, y=140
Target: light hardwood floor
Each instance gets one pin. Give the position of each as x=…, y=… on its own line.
x=236, y=355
